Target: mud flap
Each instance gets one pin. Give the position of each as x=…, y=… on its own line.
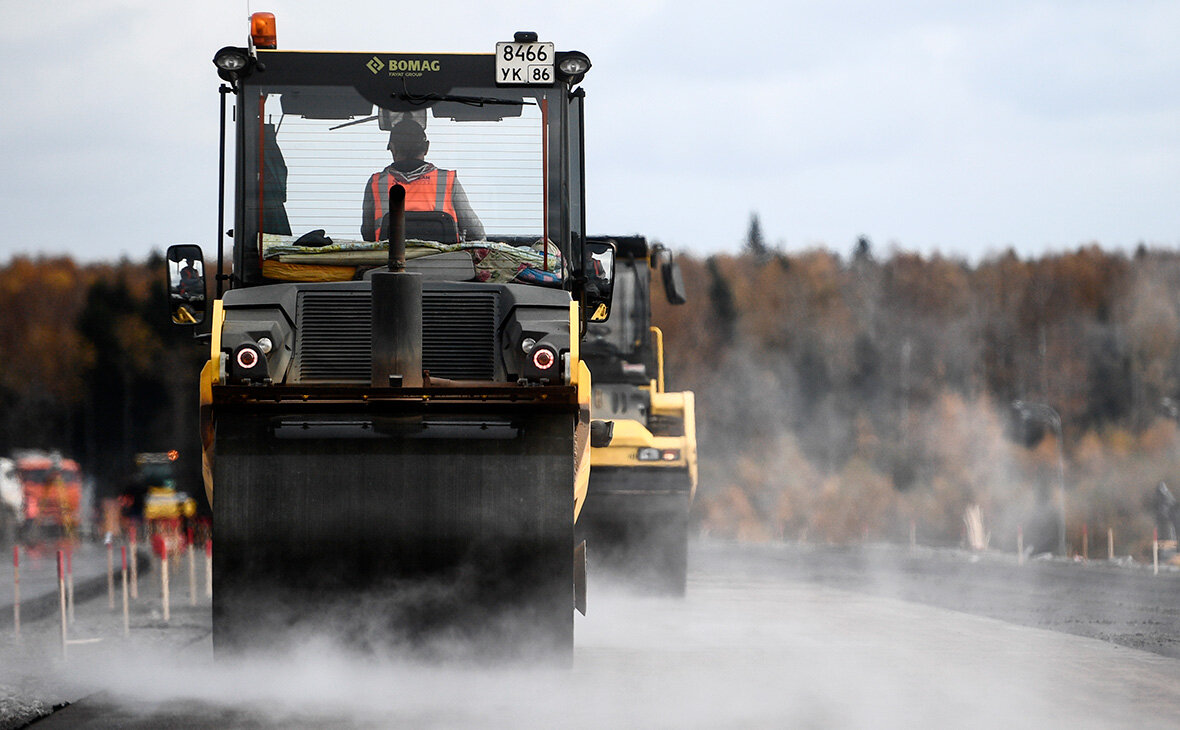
x=395, y=530
x=580, y=577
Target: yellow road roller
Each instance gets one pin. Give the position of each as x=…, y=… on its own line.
x=395, y=413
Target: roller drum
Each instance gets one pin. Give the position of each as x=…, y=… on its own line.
x=385, y=531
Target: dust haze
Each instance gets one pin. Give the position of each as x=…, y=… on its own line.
x=860, y=399
x=743, y=650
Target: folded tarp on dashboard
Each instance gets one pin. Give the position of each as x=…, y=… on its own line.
x=344, y=260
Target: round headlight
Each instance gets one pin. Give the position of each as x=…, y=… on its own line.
x=574, y=64
x=231, y=59
x=543, y=358
x=248, y=358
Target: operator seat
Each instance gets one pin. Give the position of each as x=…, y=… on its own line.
x=426, y=225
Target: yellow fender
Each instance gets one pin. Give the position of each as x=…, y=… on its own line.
x=210, y=374
x=580, y=376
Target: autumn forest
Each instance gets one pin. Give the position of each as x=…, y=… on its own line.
x=840, y=396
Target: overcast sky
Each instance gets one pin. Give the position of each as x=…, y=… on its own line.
x=963, y=128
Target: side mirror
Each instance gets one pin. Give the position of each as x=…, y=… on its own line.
x=599, y=275
x=186, y=284
x=673, y=281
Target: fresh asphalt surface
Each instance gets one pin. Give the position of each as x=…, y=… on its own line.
x=767, y=636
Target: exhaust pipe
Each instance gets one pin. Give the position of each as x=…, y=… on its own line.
x=396, y=227
x=397, y=309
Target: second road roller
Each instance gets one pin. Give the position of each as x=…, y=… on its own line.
x=643, y=482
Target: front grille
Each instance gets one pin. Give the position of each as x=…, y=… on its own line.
x=333, y=342
x=459, y=334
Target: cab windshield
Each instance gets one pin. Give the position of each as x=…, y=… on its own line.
x=625, y=333
x=44, y=476
x=475, y=182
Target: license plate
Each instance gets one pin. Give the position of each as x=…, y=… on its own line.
x=524, y=63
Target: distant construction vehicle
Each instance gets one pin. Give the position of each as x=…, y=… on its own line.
x=151, y=498
x=642, y=485
x=395, y=414
x=53, y=496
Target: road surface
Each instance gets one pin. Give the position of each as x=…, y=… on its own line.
x=771, y=636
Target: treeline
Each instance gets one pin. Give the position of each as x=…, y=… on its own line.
x=91, y=366
x=839, y=397
x=848, y=398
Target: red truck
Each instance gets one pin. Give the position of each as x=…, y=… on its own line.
x=53, y=494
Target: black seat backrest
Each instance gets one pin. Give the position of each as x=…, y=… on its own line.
x=427, y=225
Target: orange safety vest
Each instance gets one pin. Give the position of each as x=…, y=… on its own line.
x=431, y=192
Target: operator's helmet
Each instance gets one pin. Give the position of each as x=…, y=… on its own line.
x=407, y=135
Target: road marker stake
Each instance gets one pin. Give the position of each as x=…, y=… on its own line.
x=61, y=596
x=192, y=572
x=16, y=591
x=1110, y=544
x=1020, y=545
x=1085, y=542
x=126, y=612
x=164, y=581
x=70, y=582
x=110, y=574
x=134, y=566
x=1155, y=551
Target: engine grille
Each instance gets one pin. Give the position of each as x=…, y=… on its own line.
x=333, y=343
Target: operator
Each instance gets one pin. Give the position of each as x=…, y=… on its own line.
x=428, y=188
x=189, y=278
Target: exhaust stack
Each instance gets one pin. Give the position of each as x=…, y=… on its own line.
x=397, y=309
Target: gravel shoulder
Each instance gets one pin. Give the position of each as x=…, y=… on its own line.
x=36, y=680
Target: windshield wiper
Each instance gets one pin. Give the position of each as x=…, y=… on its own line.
x=469, y=100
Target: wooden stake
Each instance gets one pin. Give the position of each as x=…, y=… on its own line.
x=126, y=611
x=164, y=582
x=110, y=574
x=61, y=597
x=1085, y=542
x=134, y=565
x=70, y=583
x=1020, y=545
x=192, y=572
x=16, y=591
x=1155, y=551
x=1110, y=544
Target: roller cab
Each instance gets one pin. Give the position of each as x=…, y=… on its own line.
x=395, y=413
x=642, y=484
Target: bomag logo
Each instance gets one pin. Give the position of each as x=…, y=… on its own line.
x=403, y=66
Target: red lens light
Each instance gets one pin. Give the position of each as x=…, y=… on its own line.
x=543, y=358
x=247, y=358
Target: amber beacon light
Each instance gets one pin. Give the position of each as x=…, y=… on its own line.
x=262, y=30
